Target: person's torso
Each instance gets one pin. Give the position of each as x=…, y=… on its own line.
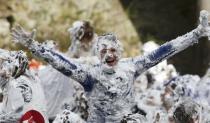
x=113, y=94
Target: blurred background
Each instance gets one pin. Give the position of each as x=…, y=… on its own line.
x=133, y=21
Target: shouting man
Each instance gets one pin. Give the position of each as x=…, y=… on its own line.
x=109, y=84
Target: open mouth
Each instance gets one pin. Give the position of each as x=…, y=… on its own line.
x=111, y=61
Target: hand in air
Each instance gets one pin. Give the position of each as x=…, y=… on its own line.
x=19, y=35
x=204, y=27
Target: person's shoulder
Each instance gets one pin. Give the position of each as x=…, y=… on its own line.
x=126, y=64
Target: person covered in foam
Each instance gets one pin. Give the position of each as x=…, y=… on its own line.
x=157, y=75
x=22, y=91
x=149, y=86
x=109, y=84
x=58, y=88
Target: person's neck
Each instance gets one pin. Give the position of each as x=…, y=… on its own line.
x=109, y=70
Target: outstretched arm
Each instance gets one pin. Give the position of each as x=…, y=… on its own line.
x=142, y=63
x=66, y=66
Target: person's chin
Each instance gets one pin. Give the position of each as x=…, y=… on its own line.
x=108, y=68
x=111, y=64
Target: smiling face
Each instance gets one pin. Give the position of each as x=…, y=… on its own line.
x=109, y=56
x=109, y=50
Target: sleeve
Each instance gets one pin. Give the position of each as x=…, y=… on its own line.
x=165, y=51
x=68, y=67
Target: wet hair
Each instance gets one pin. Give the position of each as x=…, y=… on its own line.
x=89, y=32
x=82, y=31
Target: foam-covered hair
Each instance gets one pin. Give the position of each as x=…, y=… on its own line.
x=82, y=31
x=186, y=111
x=108, y=38
x=16, y=61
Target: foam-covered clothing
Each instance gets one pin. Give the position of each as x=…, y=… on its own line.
x=21, y=95
x=111, y=94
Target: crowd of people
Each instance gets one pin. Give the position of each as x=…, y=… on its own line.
x=92, y=83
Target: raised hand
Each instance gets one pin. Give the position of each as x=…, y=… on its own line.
x=19, y=35
x=204, y=24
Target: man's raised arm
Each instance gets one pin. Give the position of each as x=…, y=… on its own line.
x=66, y=66
x=169, y=49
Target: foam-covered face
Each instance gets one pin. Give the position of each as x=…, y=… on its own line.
x=109, y=51
x=109, y=55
